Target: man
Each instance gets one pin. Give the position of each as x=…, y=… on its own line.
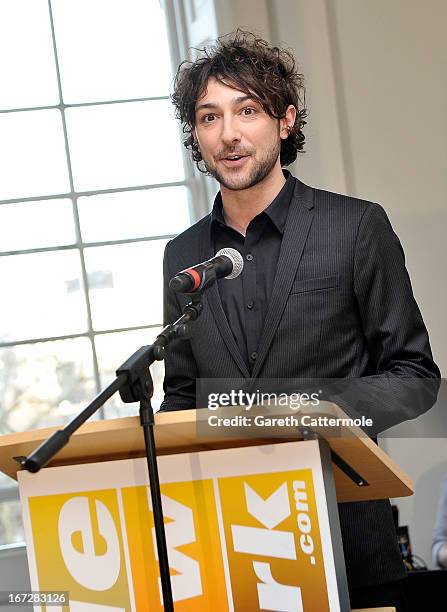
x=324, y=292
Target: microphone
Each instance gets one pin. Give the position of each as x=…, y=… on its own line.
x=227, y=263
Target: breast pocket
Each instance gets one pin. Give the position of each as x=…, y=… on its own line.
x=315, y=284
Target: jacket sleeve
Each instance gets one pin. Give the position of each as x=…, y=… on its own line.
x=405, y=380
x=180, y=366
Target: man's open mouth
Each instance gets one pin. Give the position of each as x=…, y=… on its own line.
x=234, y=161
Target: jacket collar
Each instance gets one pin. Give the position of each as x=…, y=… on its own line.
x=276, y=211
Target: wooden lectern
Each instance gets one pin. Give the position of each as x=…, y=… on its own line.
x=251, y=523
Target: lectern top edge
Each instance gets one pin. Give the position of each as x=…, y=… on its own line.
x=176, y=433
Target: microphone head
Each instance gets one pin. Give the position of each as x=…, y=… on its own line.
x=236, y=259
x=181, y=283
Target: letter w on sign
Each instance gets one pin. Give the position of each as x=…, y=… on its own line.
x=187, y=583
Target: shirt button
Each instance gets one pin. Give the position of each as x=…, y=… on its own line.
x=249, y=257
x=253, y=355
x=250, y=305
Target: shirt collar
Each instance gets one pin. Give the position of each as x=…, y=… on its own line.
x=276, y=211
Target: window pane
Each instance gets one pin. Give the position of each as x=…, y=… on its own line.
x=11, y=526
x=121, y=145
x=134, y=214
x=48, y=223
x=32, y=154
x=6, y=480
x=126, y=284
x=27, y=70
x=111, y=50
x=44, y=384
x=113, y=350
x=43, y=296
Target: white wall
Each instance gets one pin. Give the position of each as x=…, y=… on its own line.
x=377, y=93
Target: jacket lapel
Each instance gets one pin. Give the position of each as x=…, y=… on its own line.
x=212, y=296
x=298, y=223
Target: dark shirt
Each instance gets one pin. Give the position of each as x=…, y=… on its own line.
x=245, y=299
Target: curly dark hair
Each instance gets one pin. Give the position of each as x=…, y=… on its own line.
x=242, y=60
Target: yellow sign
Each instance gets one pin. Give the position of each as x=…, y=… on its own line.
x=192, y=534
x=78, y=543
x=273, y=542
x=236, y=541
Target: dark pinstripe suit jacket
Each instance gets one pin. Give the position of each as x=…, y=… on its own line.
x=341, y=307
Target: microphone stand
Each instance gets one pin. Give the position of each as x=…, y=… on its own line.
x=134, y=383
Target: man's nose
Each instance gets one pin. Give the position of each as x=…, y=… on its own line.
x=230, y=131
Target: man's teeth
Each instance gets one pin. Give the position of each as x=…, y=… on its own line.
x=234, y=156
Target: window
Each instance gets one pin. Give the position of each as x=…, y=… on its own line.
x=92, y=186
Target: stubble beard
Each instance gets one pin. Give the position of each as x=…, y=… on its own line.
x=259, y=170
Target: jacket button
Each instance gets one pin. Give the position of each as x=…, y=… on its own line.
x=249, y=257
x=253, y=355
x=250, y=305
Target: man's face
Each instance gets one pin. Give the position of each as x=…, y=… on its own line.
x=239, y=142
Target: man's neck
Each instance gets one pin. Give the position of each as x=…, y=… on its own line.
x=240, y=207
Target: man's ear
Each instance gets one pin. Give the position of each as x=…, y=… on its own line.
x=287, y=122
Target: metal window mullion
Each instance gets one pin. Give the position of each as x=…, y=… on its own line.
x=62, y=105
x=90, y=332
x=79, y=244
x=49, y=249
x=98, y=332
x=198, y=200
x=79, y=194
x=25, y=341
x=176, y=28
x=75, y=245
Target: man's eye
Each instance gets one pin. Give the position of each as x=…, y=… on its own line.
x=248, y=111
x=208, y=118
